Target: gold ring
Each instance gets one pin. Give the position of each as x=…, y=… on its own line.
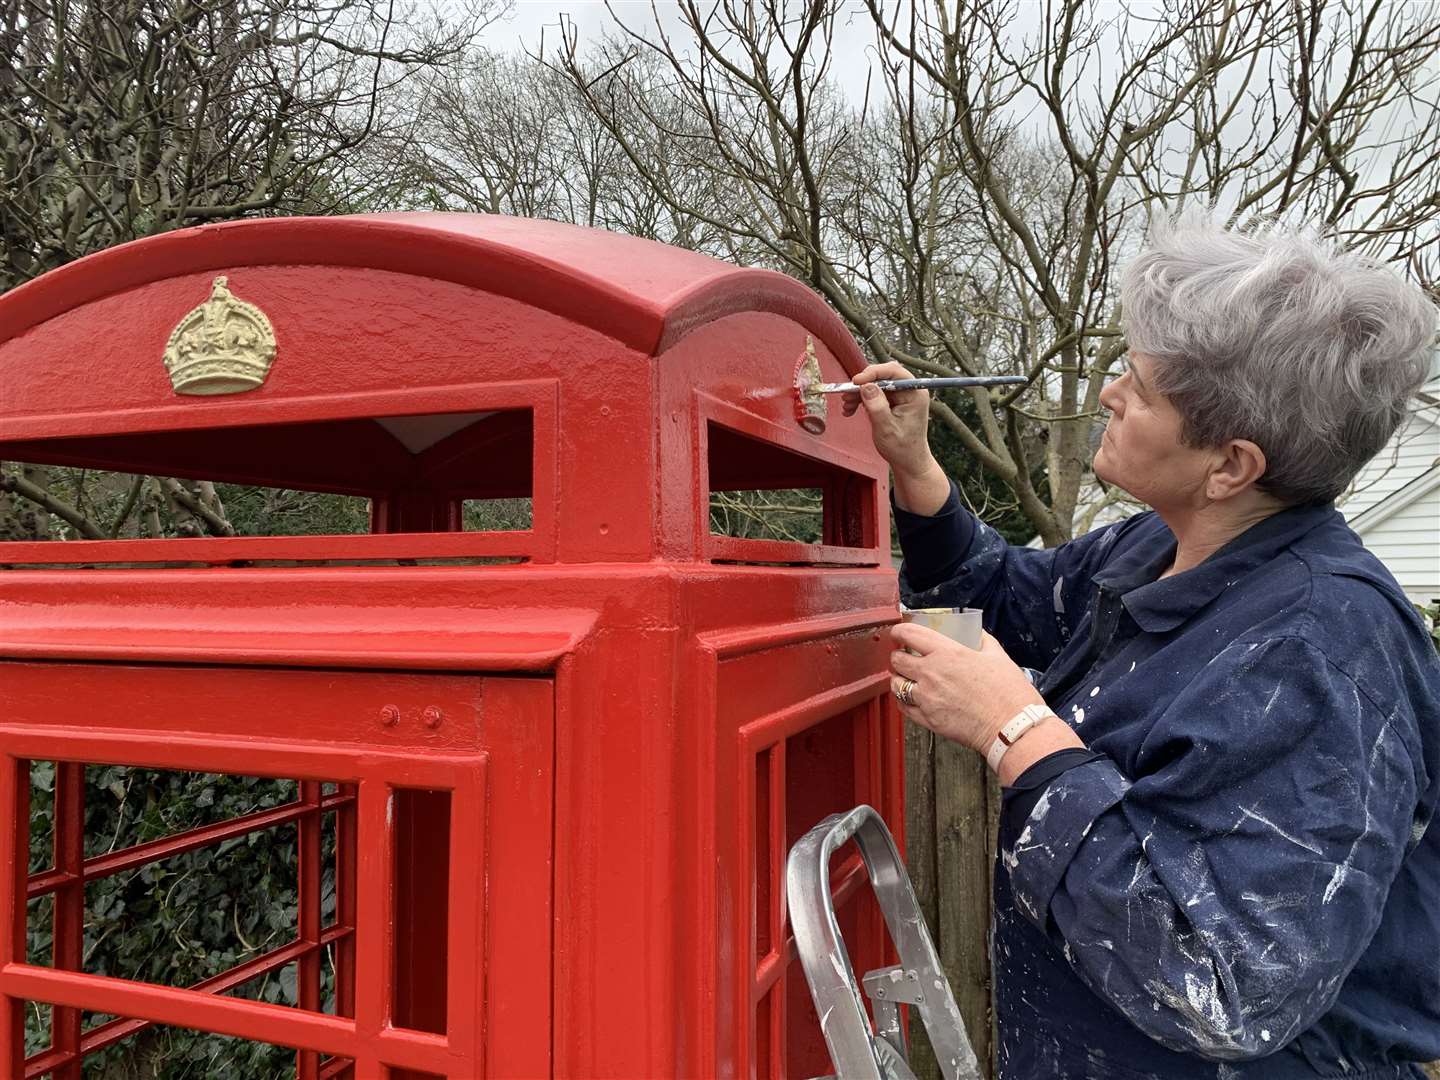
x=906, y=694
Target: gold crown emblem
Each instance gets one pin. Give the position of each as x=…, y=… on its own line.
x=224, y=346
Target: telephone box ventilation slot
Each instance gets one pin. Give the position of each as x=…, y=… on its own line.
x=773, y=505
x=292, y=494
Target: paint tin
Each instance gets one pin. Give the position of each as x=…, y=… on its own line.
x=958, y=624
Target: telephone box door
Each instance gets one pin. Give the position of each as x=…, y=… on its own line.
x=420, y=807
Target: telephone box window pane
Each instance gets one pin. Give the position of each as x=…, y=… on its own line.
x=37, y=1027
x=173, y=1053
x=497, y=515
x=796, y=514
x=329, y=838
x=820, y=773
x=764, y=1050
x=275, y=987
x=126, y=806
x=40, y=930
x=132, y=506
x=42, y=815
x=436, y=473
x=266, y=511
x=763, y=899
x=422, y=908
x=93, y=1020
x=184, y=920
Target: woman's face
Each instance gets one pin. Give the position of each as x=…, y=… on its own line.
x=1141, y=451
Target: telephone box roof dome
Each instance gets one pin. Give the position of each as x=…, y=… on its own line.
x=645, y=294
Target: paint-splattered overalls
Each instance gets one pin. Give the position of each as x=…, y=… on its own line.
x=1236, y=879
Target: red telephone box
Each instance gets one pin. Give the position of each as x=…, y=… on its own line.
x=564, y=763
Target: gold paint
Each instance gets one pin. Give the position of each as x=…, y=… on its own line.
x=224, y=346
x=810, y=403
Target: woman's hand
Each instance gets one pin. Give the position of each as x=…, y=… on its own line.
x=899, y=424
x=969, y=694
x=963, y=694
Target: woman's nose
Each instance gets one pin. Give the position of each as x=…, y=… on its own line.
x=1109, y=396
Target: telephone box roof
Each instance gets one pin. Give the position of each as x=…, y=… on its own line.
x=642, y=293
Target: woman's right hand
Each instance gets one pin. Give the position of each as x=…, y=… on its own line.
x=899, y=420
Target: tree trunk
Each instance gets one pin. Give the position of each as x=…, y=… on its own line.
x=21, y=518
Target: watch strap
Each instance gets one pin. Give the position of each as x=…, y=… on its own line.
x=1010, y=734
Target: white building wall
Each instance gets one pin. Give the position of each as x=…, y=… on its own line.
x=1406, y=540
x=1408, y=543
x=1413, y=451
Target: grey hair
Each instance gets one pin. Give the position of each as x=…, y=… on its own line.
x=1278, y=336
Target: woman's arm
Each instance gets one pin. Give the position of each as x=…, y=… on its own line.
x=1034, y=599
x=1220, y=900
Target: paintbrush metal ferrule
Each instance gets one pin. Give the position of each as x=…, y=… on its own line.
x=925, y=384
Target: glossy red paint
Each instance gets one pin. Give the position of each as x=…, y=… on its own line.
x=565, y=785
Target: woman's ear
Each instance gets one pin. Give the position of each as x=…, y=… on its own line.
x=1240, y=464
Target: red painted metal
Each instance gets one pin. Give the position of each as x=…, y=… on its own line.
x=308, y=902
x=565, y=784
x=68, y=911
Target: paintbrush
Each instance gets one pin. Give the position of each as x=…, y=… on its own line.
x=923, y=384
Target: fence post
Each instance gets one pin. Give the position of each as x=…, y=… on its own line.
x=951, y=807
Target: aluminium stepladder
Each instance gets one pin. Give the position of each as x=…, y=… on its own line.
x=857, y=1051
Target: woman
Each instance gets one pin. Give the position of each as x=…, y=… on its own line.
x=1214, y=858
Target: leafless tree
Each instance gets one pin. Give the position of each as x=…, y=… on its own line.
x=967, y=215
x=122, y=120
x=505, y=135
x=126, y=119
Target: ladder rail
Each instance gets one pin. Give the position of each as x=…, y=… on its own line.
x=919, y=980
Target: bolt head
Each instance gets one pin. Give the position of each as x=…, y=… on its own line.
x=390, y=715
x=432, y=716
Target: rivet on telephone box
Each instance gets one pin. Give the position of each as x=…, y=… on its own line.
x=565, y=761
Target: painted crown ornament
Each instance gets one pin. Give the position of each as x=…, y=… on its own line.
x=224, y=346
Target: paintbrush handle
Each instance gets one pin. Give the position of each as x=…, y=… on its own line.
x=927, y=384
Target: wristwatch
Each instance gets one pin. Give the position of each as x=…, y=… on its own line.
x=1018, y=725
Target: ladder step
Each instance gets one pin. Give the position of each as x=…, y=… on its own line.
x=894, y=984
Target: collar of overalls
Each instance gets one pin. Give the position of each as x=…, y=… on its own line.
x=1160, y=604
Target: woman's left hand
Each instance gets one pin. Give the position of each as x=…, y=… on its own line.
x=963, y=694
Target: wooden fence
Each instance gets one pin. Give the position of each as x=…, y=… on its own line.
x=952, y=806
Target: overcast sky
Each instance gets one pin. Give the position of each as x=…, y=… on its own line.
x=854, y=49
x=522, y=27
